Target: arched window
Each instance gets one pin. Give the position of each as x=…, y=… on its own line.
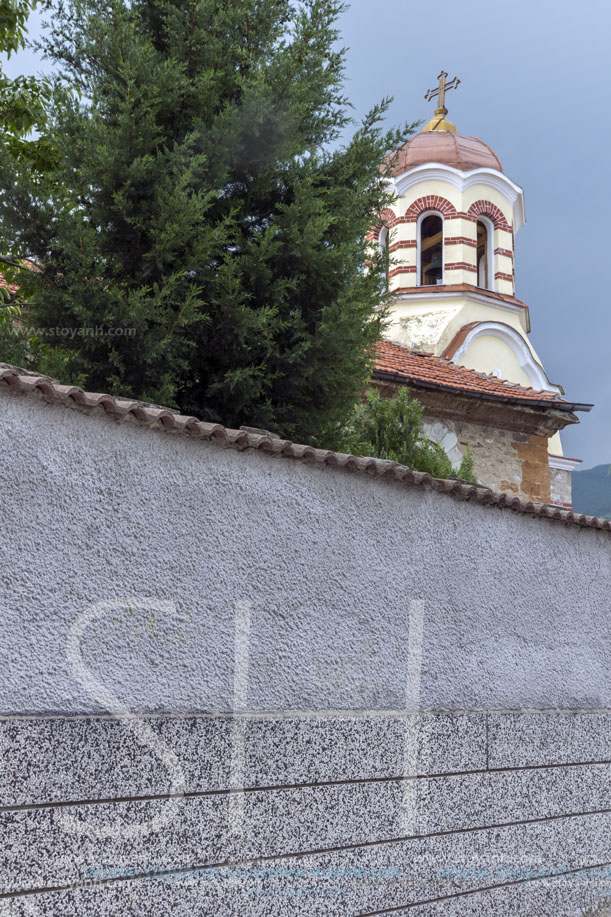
x=383, y=242
x=383, y=239
x=485, y=263
x=430, y=249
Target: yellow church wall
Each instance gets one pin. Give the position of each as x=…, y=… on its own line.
x=402, y=243
x=400, y=281
x=504, y=286
x=424, y=189
x=471, y=312
x=486, y=193
x=487, y=354
x=503, y=239
x=503, y=263
x=460, y=275
x=403, y=232
x=466, y=310
x=461, y=227
x=403, y=255
x=402, y=270
x=555, y=445
x=457, y=251
x=459, y=256
x=483, y=350
x=402, y=252
x=431, y=324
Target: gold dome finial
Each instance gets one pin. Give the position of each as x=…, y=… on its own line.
x=438, y=122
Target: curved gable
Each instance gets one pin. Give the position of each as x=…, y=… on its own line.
x=502, y=345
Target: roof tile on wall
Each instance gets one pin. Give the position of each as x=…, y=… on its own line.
x=13, y=379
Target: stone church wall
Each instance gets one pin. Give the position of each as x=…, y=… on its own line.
x=506, y=460
x=240, y=684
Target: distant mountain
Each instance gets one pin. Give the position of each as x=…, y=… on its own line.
x=592, y=491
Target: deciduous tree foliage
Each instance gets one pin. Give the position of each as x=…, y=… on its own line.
x=392, y=428
x=22, y=141
x=201, y=240
x=23, y=99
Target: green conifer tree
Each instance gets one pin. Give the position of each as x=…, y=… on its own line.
x=201, y=241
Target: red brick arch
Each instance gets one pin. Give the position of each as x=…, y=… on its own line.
x=485, y=208
x=387, y=218
x=430, y=202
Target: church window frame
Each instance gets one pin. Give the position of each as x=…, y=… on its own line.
x=421, y=218
x=383, y=239
x=384, y=245
x=490, y=245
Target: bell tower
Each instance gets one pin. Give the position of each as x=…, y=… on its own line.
x=450, y=235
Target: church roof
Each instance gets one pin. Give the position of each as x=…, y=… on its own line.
x=464, y=153
x=425, y=370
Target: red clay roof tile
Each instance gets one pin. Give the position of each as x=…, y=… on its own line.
x=21, y=382
x=428, y=370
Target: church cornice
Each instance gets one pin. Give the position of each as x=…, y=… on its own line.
x=491, y=178
x=465, y=291
x=562, y=463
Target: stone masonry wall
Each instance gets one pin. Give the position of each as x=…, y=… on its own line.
x=504, y=460
x=532, y=452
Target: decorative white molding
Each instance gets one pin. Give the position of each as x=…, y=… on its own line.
x=492, y=178
x=511, y=337
x=560, y=463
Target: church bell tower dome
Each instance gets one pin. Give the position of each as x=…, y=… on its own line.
x=452, y=223
x=440, y=142
x=446, y=148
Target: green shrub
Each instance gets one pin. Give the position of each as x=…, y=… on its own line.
x=391, y=428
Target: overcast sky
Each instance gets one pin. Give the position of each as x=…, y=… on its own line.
x=535, y=85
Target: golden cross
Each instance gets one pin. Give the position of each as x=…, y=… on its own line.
x=441, y=90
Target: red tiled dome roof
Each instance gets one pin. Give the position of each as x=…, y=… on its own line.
x=462, y=153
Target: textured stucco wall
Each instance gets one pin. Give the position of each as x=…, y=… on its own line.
x=309, y=601
x=516, y=609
